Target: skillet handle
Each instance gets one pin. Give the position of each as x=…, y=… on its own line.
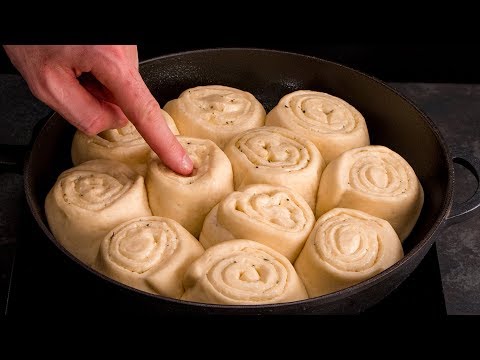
x=470, y=207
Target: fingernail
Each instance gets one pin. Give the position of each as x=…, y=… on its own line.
x=187, y=163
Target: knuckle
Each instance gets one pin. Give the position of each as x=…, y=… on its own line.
x=93, y=125
x=112, y=54
x=150, y=111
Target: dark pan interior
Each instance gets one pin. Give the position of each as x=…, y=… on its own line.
x=392, y=121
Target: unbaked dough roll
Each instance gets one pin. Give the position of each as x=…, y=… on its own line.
x=376, y=180
x=124, y=144
x=346, y=247
x=272, y=215
x=89, y=200
x=188, y=199
x=331, y=123
x=242, y=272
x=149, y=253
x=215, y=112
x=276, y=156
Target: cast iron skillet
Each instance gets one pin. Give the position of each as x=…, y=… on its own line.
x=392, y=121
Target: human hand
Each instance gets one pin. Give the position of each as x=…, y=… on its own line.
x=110, y=90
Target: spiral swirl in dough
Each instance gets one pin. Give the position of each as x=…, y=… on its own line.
x=331, y=123
x=188, y=199
x=242, y=272
x=346, y=247
x=124, y=144
x=376, y=180
x=87, y=201
x=272, y=215
x=276, y=156
x=150, y=254
x=215, y=112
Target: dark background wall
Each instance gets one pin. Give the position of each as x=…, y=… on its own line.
x=419, y=62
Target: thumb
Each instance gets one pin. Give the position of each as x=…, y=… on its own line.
x=63, y=92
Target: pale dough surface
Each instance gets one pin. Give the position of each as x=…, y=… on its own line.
x=215, y=112
x=276, y=156
x=149, y=253
x=188, y=199
x=124, y=144
x=272, y=215
x=346, y=247
x=242, y=272
x=331, y=123
x=89, y=200
x=376, y=180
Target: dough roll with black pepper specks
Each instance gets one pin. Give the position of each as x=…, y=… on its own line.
x=124, y=144
x=276, y=156
x=272, y=215
x=215, y=112
x=376, y=180
x=346, y=247
x=89, y=200
x=150, y=254
x=242, y=272
x=188, y=199
x=331, y=123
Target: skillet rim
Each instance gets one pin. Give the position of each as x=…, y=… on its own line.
x=342, y=294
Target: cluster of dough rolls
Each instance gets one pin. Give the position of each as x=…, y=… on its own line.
x=241, y=229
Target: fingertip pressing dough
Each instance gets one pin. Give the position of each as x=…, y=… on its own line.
x=188, y=199
x=124, y=144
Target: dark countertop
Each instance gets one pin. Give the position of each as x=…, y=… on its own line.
x=455, y=108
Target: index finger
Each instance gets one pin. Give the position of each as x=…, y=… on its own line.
x=142, y=109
